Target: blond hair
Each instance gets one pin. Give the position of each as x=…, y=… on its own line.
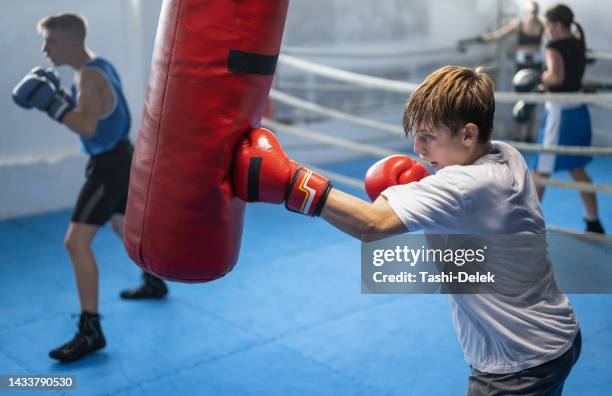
x=452, y=96
x=74, y=25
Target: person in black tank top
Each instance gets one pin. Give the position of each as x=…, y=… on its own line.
x=529, y=39
x=572, y=52
x=530, y=30
x=566, y=123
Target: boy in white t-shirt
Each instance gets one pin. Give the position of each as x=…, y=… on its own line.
x=524, y=344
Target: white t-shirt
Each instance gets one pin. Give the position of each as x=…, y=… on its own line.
x=494, y=195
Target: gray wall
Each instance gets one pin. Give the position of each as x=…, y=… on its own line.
x=40, y=166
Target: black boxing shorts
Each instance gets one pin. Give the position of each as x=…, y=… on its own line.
x=106, y=187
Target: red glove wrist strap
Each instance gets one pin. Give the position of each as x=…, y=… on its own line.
x=307, y=192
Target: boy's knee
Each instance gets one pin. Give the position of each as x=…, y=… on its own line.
x=72, y=242
x=75, y=240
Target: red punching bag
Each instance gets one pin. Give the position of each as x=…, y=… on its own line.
x=211, y=73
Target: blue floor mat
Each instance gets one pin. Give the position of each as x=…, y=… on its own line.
x=289, y=319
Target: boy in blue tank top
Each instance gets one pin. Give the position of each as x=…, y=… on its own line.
x=98, y=113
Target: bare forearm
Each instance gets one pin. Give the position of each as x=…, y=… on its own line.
x=80, y=122
x=347, y=213
x=361, y=219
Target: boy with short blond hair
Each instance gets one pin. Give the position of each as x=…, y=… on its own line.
x=71, y=24
x=451, y=96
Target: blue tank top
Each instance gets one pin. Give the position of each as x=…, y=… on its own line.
x=115, y=126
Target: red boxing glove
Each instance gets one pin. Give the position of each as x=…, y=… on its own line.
x=391, y=171
x=263, y=173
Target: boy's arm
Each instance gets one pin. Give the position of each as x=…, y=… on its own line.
x=83, y=119
x=262, y=172
x=360, y=219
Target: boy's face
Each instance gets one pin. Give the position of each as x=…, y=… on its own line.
x=56, y=46
x=441, y=149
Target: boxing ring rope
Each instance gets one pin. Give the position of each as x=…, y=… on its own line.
x=334, y=141
x=49, y=158
x=301, y=104
x=606, y=82
x=338, y=177
x=358, y=184
x=338, y=115
x=348, y=76
x=573, y=185
x=567, y=150
x=407, y=87
x=358, y=53
x=599, y=55
x=318, y=86
x=589, y=236
x=383, y=152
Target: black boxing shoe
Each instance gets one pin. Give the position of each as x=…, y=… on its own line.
x=89, y=339
x=152, y=287
x=594, y=226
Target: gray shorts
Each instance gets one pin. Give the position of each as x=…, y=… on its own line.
x=544, y=380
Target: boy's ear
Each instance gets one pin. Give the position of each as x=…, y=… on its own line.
x=470, y=134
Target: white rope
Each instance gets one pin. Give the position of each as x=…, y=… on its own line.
x=589, y=236
x=344, y=53
x=338, y=115
x=536, y=97
x=384, y=152
x=347, y=76
x=334, y=141
x=48, y=158
x=572, y=185
x=360, y=53
x=356, y=183
x=600, y=82
x=603, y=106
x=317, y=86
x=599, y=55
x=398, y=131
x=407, y=88
x=337, y=177
x=567, y=150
